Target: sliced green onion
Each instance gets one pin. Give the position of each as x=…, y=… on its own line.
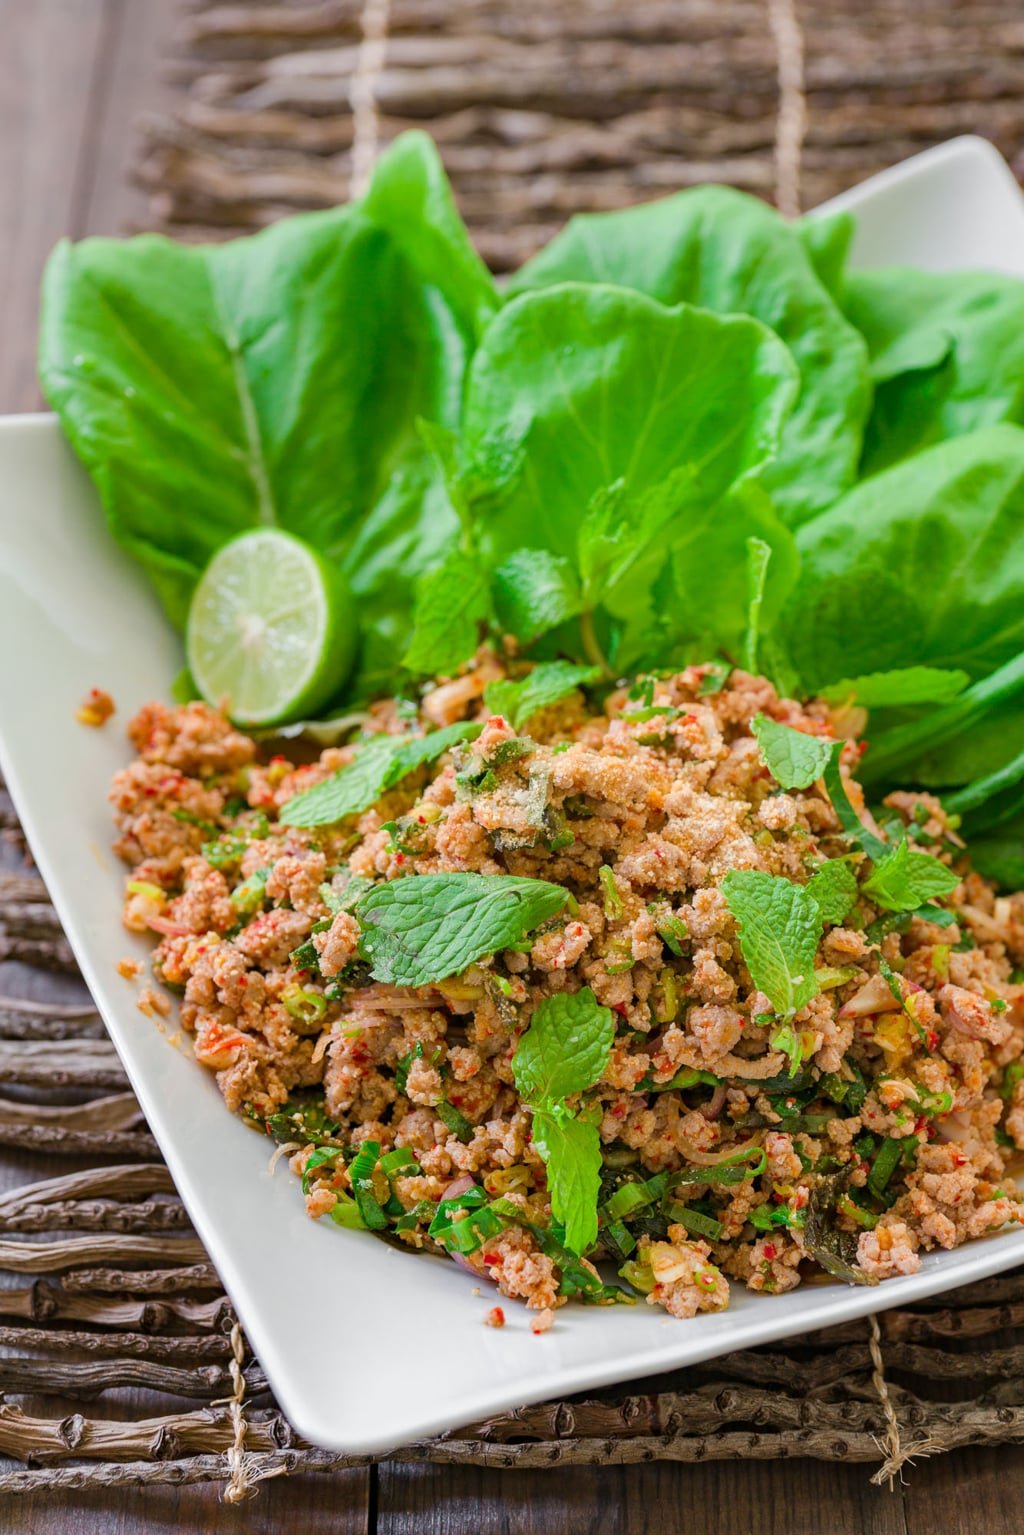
x=856, y=1212
x=346, y=1212
x=613, y=907
x=621, y=1238
x=248, y=897
x=885, y=1164
x=673, y=932
x=400, y=1163
x=696, y=1224
x=681, y=1081
x=302, y=1003
x=634, y=1196
x=361, y=1175
x=639, y=1274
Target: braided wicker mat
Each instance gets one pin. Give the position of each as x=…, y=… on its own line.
x=549, y=107
x=103, y=1287
x=106, y=1296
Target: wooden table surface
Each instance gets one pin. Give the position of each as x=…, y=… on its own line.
x=74, y=76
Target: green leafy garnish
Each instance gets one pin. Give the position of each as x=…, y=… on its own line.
x=730, y=253
x=903, y=879
x=452, y=605
x=563, y=1052
x=429, y=926
x=794, y=759
x=544, y=686
x=897, y=689
x=378, y=766
x=779, y=926
x=566, y=1047
x=834, y=887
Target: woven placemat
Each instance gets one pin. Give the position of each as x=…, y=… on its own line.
x=552, y=107
x=104, y=1286
x=541, y=110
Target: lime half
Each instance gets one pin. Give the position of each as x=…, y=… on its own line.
x=271, y=631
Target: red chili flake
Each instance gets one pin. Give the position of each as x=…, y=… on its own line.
x=932, y=1040
x=659, y=855
x=959, y=1160
x=769, y=1250
x=422, y=820
x=493, y=1258
x=278, y=758
x=689, y=719
x=495, y=1317
x=399, y=857
x=621, y=1009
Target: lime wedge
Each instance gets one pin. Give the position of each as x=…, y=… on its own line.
x=271, y=632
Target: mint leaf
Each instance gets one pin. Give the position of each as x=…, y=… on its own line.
x=565, y=1049
x=534, y=591
x=452, y=603
x=780, y=928
x=903, y=879
x=794, y=759
x=571, y=1149
x=898, y=689
x=383, y=762
x=429, y=926
x=545, y=685
x=834, y=887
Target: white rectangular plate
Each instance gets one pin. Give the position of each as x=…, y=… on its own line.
x=366, y=1347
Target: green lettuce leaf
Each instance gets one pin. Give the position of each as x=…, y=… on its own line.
x=947, y=355
x=896, y=689
x=409, y=195
x=589, y=407
x=730, y=253
x=922, y=565
x=429, y=926
x=275, y=379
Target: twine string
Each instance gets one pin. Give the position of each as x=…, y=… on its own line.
x=897, y=1455
x=362, y=93
x=239, y=1484
x=791, y=118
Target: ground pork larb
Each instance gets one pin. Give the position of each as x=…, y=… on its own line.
x=723, y=1138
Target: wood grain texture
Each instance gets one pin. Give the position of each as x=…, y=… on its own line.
x=776, y=1498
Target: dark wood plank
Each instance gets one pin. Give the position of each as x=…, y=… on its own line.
x=48, y=63
x=967, y=1492
x=798, y=1497
x=300, y=1505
